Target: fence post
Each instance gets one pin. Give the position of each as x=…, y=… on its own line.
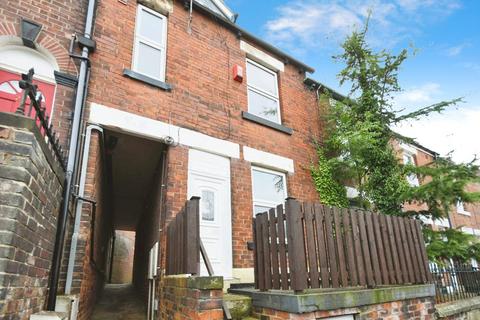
x=296, y=246
x=192, y=236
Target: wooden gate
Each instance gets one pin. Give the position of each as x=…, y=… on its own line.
x=183, y=240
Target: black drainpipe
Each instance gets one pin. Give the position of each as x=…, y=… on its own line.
x=88, y=45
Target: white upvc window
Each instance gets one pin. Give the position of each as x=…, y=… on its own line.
x=269, y=189
x=263, y=96
x=412, y=179
x=149, y=50
x=461, y=208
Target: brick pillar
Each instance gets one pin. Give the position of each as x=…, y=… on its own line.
x=185, y=297
x=30, y=196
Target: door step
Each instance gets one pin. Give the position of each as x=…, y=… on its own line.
x=49, y=315
x=240, y=306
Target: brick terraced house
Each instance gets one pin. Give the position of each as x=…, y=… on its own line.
x=157, y=102
x=181, y=102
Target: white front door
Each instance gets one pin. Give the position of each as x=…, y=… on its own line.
x=209, y=179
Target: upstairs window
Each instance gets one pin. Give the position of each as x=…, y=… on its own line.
x=269, y=189
x=461, y=208
x=263, y=97
x=149, y=51
x=409, y=159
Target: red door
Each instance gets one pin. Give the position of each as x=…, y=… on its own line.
x=11, y=94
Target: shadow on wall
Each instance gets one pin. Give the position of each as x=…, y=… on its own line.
x=122, y=268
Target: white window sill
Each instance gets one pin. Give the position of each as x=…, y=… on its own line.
x=465, y=213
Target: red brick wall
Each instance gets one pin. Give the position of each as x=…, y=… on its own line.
x=414, y=309
x=472, y=221
x=89, y=276
x=30, y=193
x=458, y=220
x=205, y=98
x=183, y=299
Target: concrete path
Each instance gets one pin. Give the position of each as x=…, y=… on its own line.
x=120, y=302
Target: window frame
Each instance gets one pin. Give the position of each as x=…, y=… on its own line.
x=153, y=44
x=411, y=177
x=263, y=92
x=460, y=208
x=264, y=203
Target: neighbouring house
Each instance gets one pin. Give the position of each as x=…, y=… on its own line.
x=463, y=216
x=176, y=102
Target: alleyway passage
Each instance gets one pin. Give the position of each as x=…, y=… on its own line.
x=120, y=302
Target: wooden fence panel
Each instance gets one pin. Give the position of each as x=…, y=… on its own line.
x=377, y=274
x=296, y=246
x=340, y=248
x=401, y=253
x=322, y=249
x=183, y=240
x=311, y=246
x=266, y=250
x=274, y=248
x=332, y=255
x=348, y=233
x=365, y=249
x=387, y=249
x=259, y=253
x=282, y=248
x=380, y=249
x=315, y=246
x=418, y=248
x=358, y=249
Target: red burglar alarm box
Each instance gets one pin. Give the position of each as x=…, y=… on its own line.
x=237, y=73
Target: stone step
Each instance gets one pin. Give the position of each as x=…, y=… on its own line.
x=49, y=315
x=240, y=306
x=67, y=304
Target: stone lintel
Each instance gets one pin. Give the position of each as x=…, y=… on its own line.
x=165, y=7
x=318, y=300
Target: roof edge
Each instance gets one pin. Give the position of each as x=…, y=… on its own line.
x=340, y=97
x=318, y=85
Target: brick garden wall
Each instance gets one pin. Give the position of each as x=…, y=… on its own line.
x=413, y=309
x=30, y=197
x=192, y=298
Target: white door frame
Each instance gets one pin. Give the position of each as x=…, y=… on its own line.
x=202, y=165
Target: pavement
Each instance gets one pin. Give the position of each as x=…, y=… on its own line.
x=120, y=302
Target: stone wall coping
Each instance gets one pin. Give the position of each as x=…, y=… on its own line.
x=49, y=315
x=456, y=307
x=328, y=299
x=21, y=122
x=195, y=282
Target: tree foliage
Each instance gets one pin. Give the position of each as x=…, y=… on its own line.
x=451, y=244
x=357, y=148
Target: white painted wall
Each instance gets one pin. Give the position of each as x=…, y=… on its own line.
x=130, y=123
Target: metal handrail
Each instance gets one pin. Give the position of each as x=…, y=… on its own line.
x=30, y=91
